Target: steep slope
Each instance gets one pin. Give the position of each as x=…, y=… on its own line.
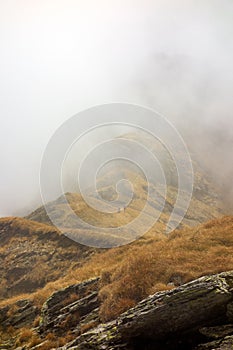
x=33, y=254
x=206, y=201
x=44, y=273
x=128, y=274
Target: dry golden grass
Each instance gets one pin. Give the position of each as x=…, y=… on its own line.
x=131, y=272
x=24, y=336
x=202, y=207
x=13, y=300
x=51, y=337
x=33, y=254
x=12, y=310
x=35, y=340
x=36, y=321
x=154, y=263
x=28, y=226
x=86, y=327
x=7, y=333
x=184, y=256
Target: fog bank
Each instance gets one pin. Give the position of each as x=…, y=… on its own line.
x=60, y=57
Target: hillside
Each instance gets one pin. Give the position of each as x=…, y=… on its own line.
x=54, y=289
x=206, y=200
x=33, y=254
x=127, y=275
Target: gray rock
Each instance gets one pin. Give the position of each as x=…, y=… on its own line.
x=25, y=314
x=172, y=314
x=3, y=314
x=60, y=313
x=221, y=344
x=217, y=332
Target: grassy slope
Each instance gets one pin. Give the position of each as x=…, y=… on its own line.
x=33, y=254
x=153, y=263
x=205, y=204
x=203, y=207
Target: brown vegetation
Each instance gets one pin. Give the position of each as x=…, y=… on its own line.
x=86, y=327
x=24, y=336
x=130, y=273
x=33, y=254
x=184, y=256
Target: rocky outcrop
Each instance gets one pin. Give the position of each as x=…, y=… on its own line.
x=23, y=314
x=168, y=320
x=220, y=337
x=70, y=308
x=34, y=254
x=195, y=316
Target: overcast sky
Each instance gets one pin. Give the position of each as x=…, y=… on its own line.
x=58, y=57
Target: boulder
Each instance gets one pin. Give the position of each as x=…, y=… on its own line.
x=166, y=320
